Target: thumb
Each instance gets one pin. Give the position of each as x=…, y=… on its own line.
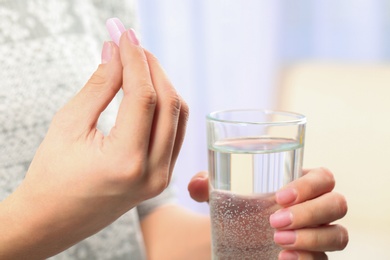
x=84, y=109
x=199, y=187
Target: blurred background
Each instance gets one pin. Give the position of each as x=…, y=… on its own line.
x=327, y=59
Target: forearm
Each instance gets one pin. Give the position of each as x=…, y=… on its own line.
x=20, y=236
x=174, y=233
x=23, y=235
x=35, y=227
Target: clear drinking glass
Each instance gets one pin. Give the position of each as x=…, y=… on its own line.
x=252, y=153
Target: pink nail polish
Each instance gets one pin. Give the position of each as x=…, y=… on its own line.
x=106, y=52
x=132, y=36
x=285, y=237
x=281, y=218
x=288, y=255
x=115, y=29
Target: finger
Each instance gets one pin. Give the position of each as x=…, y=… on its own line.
x=85, y=108
x=288, y=254
x=160, y=79
x=136, y=111
x=166, y=118
x=199, y=187
x=322, y=210
x=313, y=184
x=325, y=238
x=180, y=133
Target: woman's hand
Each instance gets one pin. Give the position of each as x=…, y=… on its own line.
x=80, y=180
x=303, y=225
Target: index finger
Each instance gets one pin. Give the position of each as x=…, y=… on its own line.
x=135, y=116
x=311, y=185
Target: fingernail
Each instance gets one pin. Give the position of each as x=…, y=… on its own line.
x=106, y=52
x=132, y=36
x=286, y=196
x=288, y=255
x=115, y=29
x=285, y=237
x=281, y=218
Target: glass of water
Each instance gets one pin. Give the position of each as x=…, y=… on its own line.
x=252, y=154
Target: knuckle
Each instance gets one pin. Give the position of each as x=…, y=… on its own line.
x=98, y=78
x=147, y=95
x=310, y=239
x=161, y=185
x=343, y=238
x=185, y=110
x=316, y=241
x=328, y=175
x=100, y=82
x=158, y=178
x=174, y=103
x=342, y=205
x=312, y=214
x=157, y=182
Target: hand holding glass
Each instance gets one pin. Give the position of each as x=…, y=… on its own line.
x=252, y=154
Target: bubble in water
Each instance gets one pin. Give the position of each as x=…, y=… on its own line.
x=240, y=226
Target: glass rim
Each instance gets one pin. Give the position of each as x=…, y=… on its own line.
x=296, y=118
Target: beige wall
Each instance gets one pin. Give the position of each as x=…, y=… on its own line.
x=348, y=130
